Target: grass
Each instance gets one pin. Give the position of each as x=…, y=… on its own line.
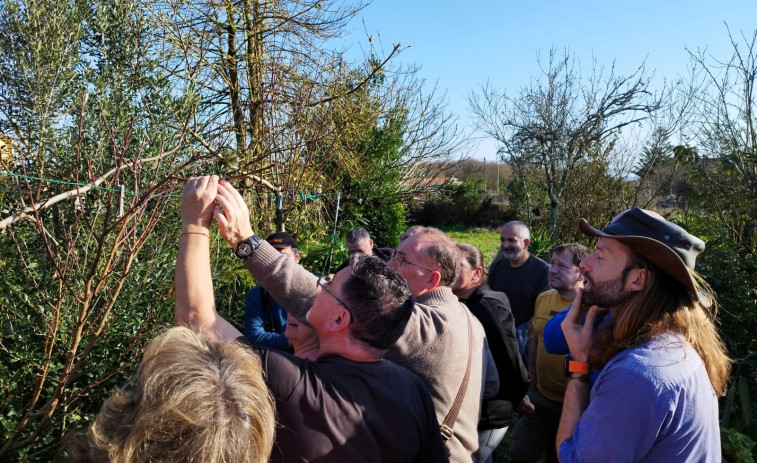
x=486, y=239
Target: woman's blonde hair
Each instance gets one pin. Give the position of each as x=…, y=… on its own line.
x=192, y=400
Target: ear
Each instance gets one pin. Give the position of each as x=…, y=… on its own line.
x=526, y=242
x=339, y=320
x=297, y=256
x=433, y=280
x=636, y=279
x=371, y=242
x=477, y=274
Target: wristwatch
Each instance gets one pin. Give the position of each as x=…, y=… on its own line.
x=574, y=366
x=247, y=247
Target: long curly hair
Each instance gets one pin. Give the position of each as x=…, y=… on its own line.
x=192, y=400
x=666, y=305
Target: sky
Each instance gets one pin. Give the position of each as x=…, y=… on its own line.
x=462, y=45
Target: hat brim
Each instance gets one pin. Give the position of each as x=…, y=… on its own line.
x=652, y=250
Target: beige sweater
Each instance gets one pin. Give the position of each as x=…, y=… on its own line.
x=434, y=345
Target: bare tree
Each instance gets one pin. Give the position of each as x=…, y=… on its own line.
x=558, y=120
x=724, y=151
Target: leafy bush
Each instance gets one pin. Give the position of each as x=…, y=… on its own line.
x=737, y=447
x=461, y=203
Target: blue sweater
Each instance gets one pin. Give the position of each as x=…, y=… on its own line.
x=650, y=403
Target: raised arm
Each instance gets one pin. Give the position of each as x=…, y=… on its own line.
x=580, y=338
x=194, y=303
x=286, y=281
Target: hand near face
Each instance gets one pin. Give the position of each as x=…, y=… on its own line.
x=580, y=336
x=197, y=203
x=233, y=217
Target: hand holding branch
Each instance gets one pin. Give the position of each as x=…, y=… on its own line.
x=197, y=204
x=233, y=217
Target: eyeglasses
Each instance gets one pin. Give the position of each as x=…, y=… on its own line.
x=325, y=280
x=401, y=261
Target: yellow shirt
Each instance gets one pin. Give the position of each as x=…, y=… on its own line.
x=550, y=380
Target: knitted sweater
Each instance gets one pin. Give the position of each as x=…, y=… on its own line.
x=434, y=344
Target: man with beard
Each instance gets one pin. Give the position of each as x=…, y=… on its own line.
x=520, y=275
x=662, y=363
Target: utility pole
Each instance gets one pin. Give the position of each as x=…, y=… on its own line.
x=498, y=178
x=486, y=181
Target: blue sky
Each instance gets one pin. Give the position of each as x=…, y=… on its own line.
x=460, y=45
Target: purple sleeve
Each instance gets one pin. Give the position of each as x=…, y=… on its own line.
x=626, y=410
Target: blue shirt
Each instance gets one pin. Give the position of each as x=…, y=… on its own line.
x=264, y=324
x=650, y=403
x=554, y=338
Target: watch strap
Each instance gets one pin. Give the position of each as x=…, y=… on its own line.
x=248, y=246
x=574, y=366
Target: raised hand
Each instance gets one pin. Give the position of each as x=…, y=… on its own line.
x=197, y=204
x=233, y=217
x=580, y=336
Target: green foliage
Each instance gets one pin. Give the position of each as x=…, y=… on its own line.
x=83, y=288
x=737, y=447
x=371, y=188
x=463, y=202
x=525, y=191
x=541, y=243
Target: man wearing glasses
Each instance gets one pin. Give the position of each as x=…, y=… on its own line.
x=349, y=405
x=441, y=341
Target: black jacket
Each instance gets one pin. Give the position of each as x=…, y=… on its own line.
x=493, y=311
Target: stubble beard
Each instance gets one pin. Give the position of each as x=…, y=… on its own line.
x=605, y=294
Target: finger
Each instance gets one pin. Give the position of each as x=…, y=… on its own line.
x=189, y=186
x=591, y=315
x=575, y=309
x=237, y=197
x=225, y=191
x=220, y=218
x=226, y=206
x=212, y=183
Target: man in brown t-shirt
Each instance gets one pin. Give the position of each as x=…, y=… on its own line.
x=350, y=404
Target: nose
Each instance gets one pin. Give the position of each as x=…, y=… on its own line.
x=585, y=264
x=392, y=263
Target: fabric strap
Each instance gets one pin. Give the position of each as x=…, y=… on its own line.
x=449, y=420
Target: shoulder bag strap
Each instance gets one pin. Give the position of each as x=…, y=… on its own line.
x=449, y=420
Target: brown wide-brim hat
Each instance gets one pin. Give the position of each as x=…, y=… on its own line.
x=663, y=243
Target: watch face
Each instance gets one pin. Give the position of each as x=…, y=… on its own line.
x=244, y=249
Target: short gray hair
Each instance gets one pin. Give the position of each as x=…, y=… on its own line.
x=523, y=231
x=357, y=234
